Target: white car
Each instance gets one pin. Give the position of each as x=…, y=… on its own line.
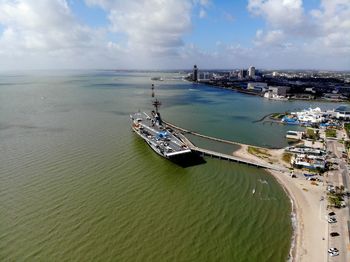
x=333, y=254
x=332, y=220
x=332, y=250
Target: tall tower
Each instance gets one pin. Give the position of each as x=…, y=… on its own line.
x=195, y=73
x=251, y=72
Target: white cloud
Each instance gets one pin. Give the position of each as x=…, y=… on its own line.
x=41, y=25
x=333, y=20
x=43, y=34
x=151, y=26
x=151, y=33
x=316, y=35
x=278, y=13
x=270, y=38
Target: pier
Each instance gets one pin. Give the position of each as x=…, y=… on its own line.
x=219, y=155
x=183, y=130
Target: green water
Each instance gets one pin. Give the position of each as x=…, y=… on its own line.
x=78, y=185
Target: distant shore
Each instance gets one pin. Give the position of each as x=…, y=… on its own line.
x=247, y=92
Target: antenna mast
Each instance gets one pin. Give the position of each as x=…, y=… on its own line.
x=156, y=103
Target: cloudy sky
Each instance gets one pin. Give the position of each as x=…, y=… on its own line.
x=174, y=34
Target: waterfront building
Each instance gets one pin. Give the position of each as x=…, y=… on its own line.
x=342, y=112
x=334, y=97
x=311, y=116
x=308, y=161
x=257, y=86
x=195, y=73
x=251, y=72
x=204, y=77
x=278, y=90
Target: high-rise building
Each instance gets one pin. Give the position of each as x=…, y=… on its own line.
x=195, y=73
x=242, y=74
x=251, y=72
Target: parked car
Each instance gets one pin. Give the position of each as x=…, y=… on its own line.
x=332, y=220
x=333, y=249
x=334, y=234
x=331, y=214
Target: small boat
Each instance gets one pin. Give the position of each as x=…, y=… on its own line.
x=156, y=78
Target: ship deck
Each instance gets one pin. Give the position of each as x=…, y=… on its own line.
x=158, y=136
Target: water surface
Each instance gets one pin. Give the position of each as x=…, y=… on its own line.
x=77, y=184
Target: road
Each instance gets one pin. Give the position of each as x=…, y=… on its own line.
x=339, y=177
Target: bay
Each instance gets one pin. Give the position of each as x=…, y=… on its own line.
x=77, y=184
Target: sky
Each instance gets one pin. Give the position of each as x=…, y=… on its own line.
x=174, y=34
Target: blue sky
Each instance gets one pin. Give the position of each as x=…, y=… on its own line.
x=175, y=34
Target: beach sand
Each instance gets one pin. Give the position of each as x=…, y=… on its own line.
x=311, y=227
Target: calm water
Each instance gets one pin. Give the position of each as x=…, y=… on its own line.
x=77, y=184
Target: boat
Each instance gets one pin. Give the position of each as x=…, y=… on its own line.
x=156, y=78
x=162, y=139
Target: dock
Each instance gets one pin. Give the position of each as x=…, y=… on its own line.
x=211, y=153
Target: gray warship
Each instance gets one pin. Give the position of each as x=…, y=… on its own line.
x=162, y=139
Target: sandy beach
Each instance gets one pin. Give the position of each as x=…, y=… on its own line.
x=310, y=228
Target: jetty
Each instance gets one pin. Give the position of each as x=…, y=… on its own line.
x=211, y=153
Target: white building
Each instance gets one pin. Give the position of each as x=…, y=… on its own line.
x=342, y=112
x=276, y=93
x=257, y=86
x=251, y=72
x=312, y=115
x=279, y=90
x=308, y=161
x=204, y=77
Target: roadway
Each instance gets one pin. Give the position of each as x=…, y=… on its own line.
x=339, y=177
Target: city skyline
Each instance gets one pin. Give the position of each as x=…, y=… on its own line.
x=103, y=34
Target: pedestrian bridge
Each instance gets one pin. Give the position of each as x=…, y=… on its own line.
x=219, y=155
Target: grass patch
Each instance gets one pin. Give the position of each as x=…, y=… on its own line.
x=331, y=133
x=335, y=200
x=259, y=152
x=347, y=128
x=313, y=134
x=310, y=133
x=286, y=157
x=278, y=116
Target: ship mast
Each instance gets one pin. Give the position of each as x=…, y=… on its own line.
x=156, y=103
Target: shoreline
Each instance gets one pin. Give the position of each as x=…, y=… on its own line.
x=252, y=93
x=309, y=228
x=294, y=216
